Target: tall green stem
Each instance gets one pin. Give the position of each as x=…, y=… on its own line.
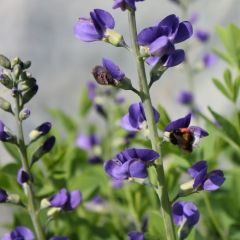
x=32, y=209
x=161, y=188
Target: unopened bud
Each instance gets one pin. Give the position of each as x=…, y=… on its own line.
x=29, y=94
x=26, y=64
x=5, y=80
x=5, y=105
x=41, y=130
x=3, y=196
x=13, y=198
x=24, y=114
x=4, y=62
x=15, y=61
x=22, y=177
x=53, y=212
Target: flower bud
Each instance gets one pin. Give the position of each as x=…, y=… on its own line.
x=41, y=130
x=29, y=94
x=5, y=105
x=3, y=196
x=5, y=80
x=22, y=177
x=43, y=149
x=4, y=62
x=15, y=92
x=26, y=64
x=15, y=61
x=24, y=114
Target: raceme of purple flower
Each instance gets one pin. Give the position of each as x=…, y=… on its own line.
x=209, y=60
x=19, y=233
x=185, y=98
x=3, y=196
x=185, y=211
x=59, y=238
x=22, y=176
x=202, y=35
x=87, y=142
x=135, y=119
x=108, y=74
x=135, y=235
x=207, y=181
x=65, y=200
x=94, y=28
x=130, y=163
x=125, y=4
x=179, y=133
x=159, y=40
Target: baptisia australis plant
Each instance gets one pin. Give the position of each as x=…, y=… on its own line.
x=23, y=87
x=154, y=45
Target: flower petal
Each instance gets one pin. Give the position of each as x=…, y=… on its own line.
x=143, y=154
x=125, y=123
x=26, y=233
x=174, y=58
x=199, y=132
x=75, y=198
x=138, y=169
x=86, y=31
x=153, y=60
x=147, y=36
x=135, y=235
x=160, y=46
x=197, y=168
x=59, y=199
x=214, y=181
x=179, y=123
x=184, y=32
x=191, y=213
x=113, y=69
x=105, y=18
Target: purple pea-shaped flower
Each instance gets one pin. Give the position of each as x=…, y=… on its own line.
x=19, y=233
x=135, y=119
x=135, y=235
x=203, y=180
x=160, y=40
x=130, y=163
x=65, y=200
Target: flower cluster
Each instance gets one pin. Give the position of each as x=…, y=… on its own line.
x=159, y=41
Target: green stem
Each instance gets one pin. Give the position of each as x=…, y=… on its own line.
x=213, y=217
x=161, y=188
x=32, y=209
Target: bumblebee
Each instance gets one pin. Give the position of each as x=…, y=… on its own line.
x=183, y=138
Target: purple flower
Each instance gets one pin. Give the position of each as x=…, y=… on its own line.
x=203, y=180
x=202, y=35
x=59, y=238
x=194, y=17
x=44, y=128
x=94, y=28
x=65, y=200
x=124, y=4
x=209, y=60
x=136, y=236
x=135, y=119
x=185, y=97
x=91, y=86
x=19, y=233
x=108, y=74
x=179, y=133
x=3, y=196
x=185, y=211
x=160, y=40
x=87, y=142
x=130, y=163
x=22, y=176
x=4, y=135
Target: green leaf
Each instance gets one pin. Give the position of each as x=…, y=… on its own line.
x=221, y=88
x=228, y=128
x=236, y=89
x=11, y=169
x=85, y=103
x=164, y=118
x=228, y=79
x=67, y=122
x=13, y=151
x=156, y=225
